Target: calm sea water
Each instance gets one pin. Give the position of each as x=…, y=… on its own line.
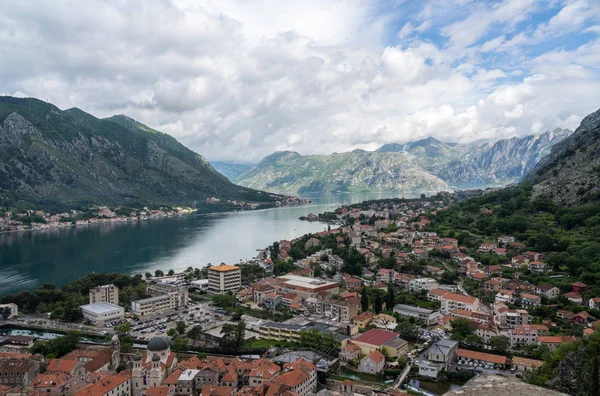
x=30, y=259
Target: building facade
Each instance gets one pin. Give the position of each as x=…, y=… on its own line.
x=104, y=294
x=223, y=278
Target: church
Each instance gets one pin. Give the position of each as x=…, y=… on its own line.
x=153, y=367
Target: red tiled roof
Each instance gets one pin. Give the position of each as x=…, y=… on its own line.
x=376, y=337
x=61, y=365
x=375, y=356
x=459, y=298
x=105, y=385
x=157, y=391
x=485, y=357
x=292, y=378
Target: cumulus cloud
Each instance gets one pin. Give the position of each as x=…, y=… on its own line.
x=238, y=80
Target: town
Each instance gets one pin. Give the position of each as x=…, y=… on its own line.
x=364, y=308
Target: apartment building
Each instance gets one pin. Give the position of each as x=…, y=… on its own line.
x=451, y=301
x=336, y=309
x=427, y=316
x=161, y=288
x=104, y=294
x=419, y=284
x=158, y=304
x=223, y=278
x=526, y=335
x=18, y=372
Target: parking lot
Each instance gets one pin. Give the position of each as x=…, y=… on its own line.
x=202, y=314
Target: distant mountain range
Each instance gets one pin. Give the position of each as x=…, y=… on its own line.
x=424, y=165
x=231, y=170
x=62, y=159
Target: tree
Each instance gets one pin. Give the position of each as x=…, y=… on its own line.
x=159, y=273
x=461, y=328
x=180, y=344
x=148, y=275
x=123, y=329
x=233, y=336
x=58, y=346
x=224, y=300
x=5, y=313
x=172, y=332
x=194, y=333
x=499, y=343
x=181, y=327
x=364, y=299
x=378, y=302
x=391, y=300
x=127, y=344
x=171, y=272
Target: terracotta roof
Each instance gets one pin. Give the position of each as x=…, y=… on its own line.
x=352, y=348
x=485, y=357
x=105, y=385
x=215, y=390
x=300, y=364
x=375, y=356
x=364, y=316
x=459, y=298
x=223, y=268
x=530, y=296
x=157, y=391
x=102, y=359
x=438, y=292
x=529, y=328
x=231, y=375
x=572, y=295
x=555, y=339
x=527, y=362
x=48, y=380
x=376, y=337
x=81, y=353
x=172, y=379
x=292, y=378
x=61, y=365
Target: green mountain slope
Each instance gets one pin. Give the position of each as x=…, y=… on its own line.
x=231, y=170
x=360, y=171
x=50, y=157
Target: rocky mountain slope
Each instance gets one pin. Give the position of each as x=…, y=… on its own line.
x=230, y=169
x=505, y=161
x=422, y=165
x=570, y=174
x=50, y=157
x=290, y=172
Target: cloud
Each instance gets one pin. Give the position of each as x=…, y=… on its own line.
x=238, y=80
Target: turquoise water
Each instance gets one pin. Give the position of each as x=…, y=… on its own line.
x=58, y=256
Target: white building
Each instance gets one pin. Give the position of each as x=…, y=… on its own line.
x=427, y=316
x=8, y=311
x=102, y=312
x=156, y=305
x=201, y=284
x=104, y=294
x=419, y=284
x=223, y=278
x=451, y=301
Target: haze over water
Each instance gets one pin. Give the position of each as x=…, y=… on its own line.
x=58, y=256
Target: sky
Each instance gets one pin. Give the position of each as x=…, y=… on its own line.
x=237, y=79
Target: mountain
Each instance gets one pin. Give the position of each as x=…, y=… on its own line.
x=505, y=161
x=570, y=174
x=230, y=169
x=70, y=158
x=290, y=172
x=425, y=164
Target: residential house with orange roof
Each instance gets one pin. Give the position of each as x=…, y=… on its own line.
x=526, y=334
x=523, y=365
x=373, y=363
x=68, y=366
x=109, y=385
x=349, y=352
x=530, y=300
x=308, y=368
x=159, y=391
x=362, y=320
x=549, y=291
x=50, y=382
x=217, y=390
x=466, y=356
x=450, y=301
x=553, y=342
x=263, y=372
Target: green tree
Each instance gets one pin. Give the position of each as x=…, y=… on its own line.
x=194, y=334
x=127, y=344
x=499, y=343
x=233, y=336
x=391, y=300
x=180, y=344
x=181, y=327
x=58, y=346
x=378, y=302
x=171, y=272
x=461, y=328
x=148, y=275
x=123, y=329
x=364, y=299
x=172, y=332
x=159, y=273
x=224, y=300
